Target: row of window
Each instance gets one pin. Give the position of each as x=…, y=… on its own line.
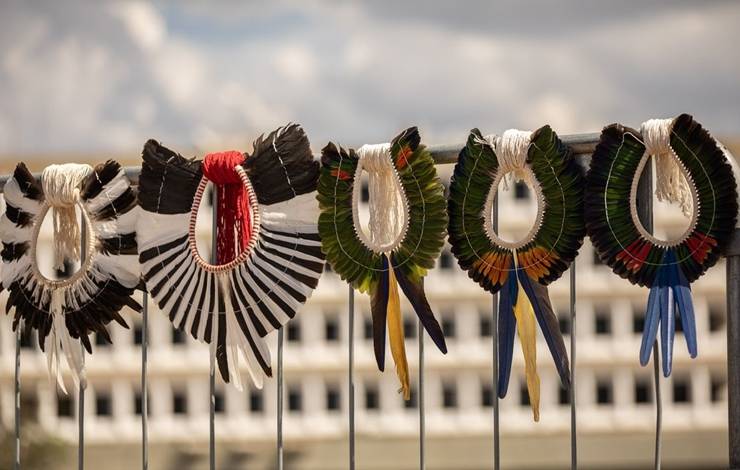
x=371, y=397
x=332, y=331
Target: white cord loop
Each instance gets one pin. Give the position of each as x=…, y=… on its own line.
x=670, y=185
x=511, y=150
x=61, y=185
x=387, y=203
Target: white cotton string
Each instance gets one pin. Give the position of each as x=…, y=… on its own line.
x=387, y=206
x=511, y=150
x=61, y=185
x=670, y=185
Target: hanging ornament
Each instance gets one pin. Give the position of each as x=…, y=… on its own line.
x=268, y=251
x=65, y=311
x=405, y=235
x=692, y=171
x=519, y=271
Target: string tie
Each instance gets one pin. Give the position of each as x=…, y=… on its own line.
x=511, y=150
x=61, y=185
x=233, y=222
x=670, y=185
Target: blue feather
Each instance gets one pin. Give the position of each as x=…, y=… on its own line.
x=506, y=330
x=682, y=293
x=652, y=318
x=667, y=321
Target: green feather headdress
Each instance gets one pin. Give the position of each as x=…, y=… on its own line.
x=406, y=262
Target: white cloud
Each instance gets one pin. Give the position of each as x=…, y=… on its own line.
x=145, y=25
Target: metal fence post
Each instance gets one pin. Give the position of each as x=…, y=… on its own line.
x=351, y=378
x=733, y=350
x=83, y=384
x=17, y=398
x=144, y=385
x=495, y=346
x=212, y=372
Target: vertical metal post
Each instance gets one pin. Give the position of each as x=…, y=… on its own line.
x=733, y=350
x=212, y=372
x=83, y=383
x=351, y=333
x=573, y=429
x=144, y=385
x=645, y=213
x=494, y=342
x=280, y=459
x=17, y=464
x=422, y=412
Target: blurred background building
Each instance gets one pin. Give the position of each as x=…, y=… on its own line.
x=81, y=81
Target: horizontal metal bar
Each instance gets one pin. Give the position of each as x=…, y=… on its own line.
x=581, y=144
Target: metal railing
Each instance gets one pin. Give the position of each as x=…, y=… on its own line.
x=582, y=146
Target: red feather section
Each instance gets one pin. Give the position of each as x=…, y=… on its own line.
x=633, y=257
x=699, y=245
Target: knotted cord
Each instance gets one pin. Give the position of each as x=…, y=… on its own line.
x=670, y=184
x=61, y=184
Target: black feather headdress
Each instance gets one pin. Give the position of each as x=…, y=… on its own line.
x=233, y=305
x=70, y=309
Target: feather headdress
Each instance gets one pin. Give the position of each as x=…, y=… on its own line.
x=269, y=257
x=70, y=309
x=693, y=171
x=406, y=233
x=519, y=271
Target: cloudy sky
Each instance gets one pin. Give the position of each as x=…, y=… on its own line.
x=103, y=77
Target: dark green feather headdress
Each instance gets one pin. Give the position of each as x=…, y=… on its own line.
x=519, y=271
x=706, y=192
x=405, y=238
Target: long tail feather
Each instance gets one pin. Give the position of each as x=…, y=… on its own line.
x=667, y=327
x=548, y=321
x=682, y=293
x=525, y=319
x=414, y=291
x=379, y=310
x=506, y=332
x=652, y=318
x=395, y=334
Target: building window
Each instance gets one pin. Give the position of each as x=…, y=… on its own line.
x=331, y=327
x=294, y=331
x=595, y=258
x=602, y=321
x=365, y=192
x=523, y=393
x=367, y=328
x=219, y=401
x=448, y=326
x=564, y=323
x=179, y=403
x=563, y=396
x=521, y=191
x=178, y=336
x=256, y=401
x=485, y=325
x=103, y=405
x=643, y=394
x=409, y=328
x=638, y=320
x=64, y=406
x=101, y=341
x=486, y=395
x=28, y=339
x=372, y=398
x=604, y=392
x=446, y=261
x=681, y=390
x=295, y=399
x=327, y=267
x=413, y=401
x=138, y=334
x=719, y=390
x=139, y=404
x=449, y=396
x=716, y=318
x=333, y=399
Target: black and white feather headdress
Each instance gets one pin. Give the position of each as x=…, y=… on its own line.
x=65, y=311
x=234, y=305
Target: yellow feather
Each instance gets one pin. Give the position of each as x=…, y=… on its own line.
x=527, y=330
x=395, y=333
